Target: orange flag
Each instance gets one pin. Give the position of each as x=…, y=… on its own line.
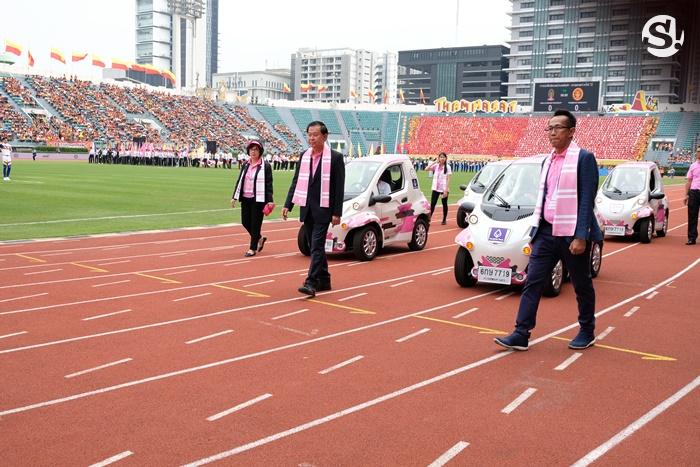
x=285, y=88
x=97, y=61
x=422, y=97
x=57, y=55
x=77, y=56
x=30, y=58
x=13, y=48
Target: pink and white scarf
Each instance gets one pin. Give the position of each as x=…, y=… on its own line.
x=565, y=196
x=300, y=192
x=259, y=183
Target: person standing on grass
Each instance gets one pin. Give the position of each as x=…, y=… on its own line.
x=318, y=188
x=441, y=184
x=565, y=227
x=254, y=191
x=6, y=151
x=692, y=198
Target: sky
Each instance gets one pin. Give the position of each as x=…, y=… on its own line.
x=260, y=34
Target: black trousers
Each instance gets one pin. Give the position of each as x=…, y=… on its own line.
x=693, y=209
x=252, y=217
x=316, y=235
x=546, y=250
x=433, y=202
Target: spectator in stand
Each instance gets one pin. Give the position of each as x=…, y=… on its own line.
x=254, y=190
x=441, y=184
x=692, y=198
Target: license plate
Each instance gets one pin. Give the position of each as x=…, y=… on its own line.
x=615, y=230
x=494, y=275
x=329, y=245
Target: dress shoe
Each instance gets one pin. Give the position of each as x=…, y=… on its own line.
x=307, y=289
x=249, y=253
x=515, y=341
x=690, y=242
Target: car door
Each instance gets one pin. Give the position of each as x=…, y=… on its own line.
x=388, y=212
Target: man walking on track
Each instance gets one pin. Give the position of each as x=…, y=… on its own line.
x=565, y=227
x=318, y=188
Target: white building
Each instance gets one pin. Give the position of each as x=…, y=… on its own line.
x=342, y=75
x=257, y=86
x=180, y=36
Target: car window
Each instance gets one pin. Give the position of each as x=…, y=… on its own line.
x=517, y=186
x=358, y=175
x=484, y=178
x=397, y=178
x=625, y=182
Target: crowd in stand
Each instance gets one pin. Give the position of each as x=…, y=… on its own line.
x=681, y=156
x=15, y=89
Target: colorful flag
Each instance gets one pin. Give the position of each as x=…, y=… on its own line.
x=30, y=57
x=386, y=96
x=372, y=96
x=402, y=98
x=353, y=93
x=169, y=75
x=359, y=150
x=422, y=97
x=350, y=149
x=151, y=70
x=77, y=56
x=285, y=88
x=119, y=64
x=137, y=67
x=97, y=61
x=13, y=48
x=371, y=150
x=320, y=89
x=305, y=87
x=57, y=55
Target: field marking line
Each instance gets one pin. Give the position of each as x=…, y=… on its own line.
x=30, y=258
x=210, y=336
x=24, y=296
x=133, y=216
x=526, y=394
x=481, y=330
x=465, y=313
x=162, y=279
x=90, y=318
x=449, y=454
x=353, y=310
x=411, y=336
x=101, y=367
x=565, y=364
x=42, y=272
x=630, y=429
x=247, y=292
x=352, y=296
x=290, y=314
x=91, y=268
x=341, y=365
x=13, y=334
x=113, y=459
x=605, y=333
x=402, y=283
x=112, y=283
x=239, y=407
x=191, y=297
x=632, y=311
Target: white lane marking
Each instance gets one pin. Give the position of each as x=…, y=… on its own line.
x=113, y=459
x=563, y=365
x=605, y=333
x=357, y=263
x=449, y=454
x=112, y=283
x=464, y=313
x=669, y=284
x=63, y=253
x=42, y=272
x=238, y=262
x=329, y=418
x=24, y=296
x=652, y=295
x=83, y=219
x=118, y=247
x=504, y=296
x=211, y=336
x=106, y=315
x=620, y=250
x=352, y=296
x=259, y=283
x=192, y=296
x=402, y=283
x=636, y=425
x=442, y=272
x=179, y=272
x=219, y=248
x=289, y=314
x=115, y=262
x=417, y=333
x=341, y=365
x=13, y=334
x=171, y=255
x=101, y=367
x=632, y=311
x=239, y=407
x=284, y=255
x=518, y=400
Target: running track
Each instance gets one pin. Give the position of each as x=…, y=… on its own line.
x=171, y=348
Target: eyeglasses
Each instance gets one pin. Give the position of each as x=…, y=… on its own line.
x=549, y=129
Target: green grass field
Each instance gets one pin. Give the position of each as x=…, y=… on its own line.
x=57, y=199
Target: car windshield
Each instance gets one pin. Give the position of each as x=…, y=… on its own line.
x=485, y=176
x=358, y=176
x=625, y=182
x=513, y=195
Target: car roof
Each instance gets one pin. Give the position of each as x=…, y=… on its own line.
x=382, y=158
x=538, y=159
x=640, y=164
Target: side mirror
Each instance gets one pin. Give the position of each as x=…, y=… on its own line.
x=379, y=199
x=468, y=206
x=657, y=195
x=463, y=187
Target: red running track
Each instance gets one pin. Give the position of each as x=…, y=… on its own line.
x=171, y=348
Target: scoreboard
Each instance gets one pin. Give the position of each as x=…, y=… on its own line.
x=575, y=96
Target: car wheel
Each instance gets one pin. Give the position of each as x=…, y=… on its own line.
x=646, y=230
x=462, y=218
x=463, y=268
x=552, y=287
x=365, y=244
x=664, y=226
x=420, y=235
x=303, y=242
x=596, y=258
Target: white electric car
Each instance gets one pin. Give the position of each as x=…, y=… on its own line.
x=475, y=190
x=370, y=220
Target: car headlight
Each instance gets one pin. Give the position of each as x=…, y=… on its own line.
x=527, y=250
x=343, y=226
x=640, y=201
x=634, y=215
x=473, y=219
x=470, y=246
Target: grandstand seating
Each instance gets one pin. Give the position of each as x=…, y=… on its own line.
x=302, y=117
x=692, y=133
x=668, y=124
x=17, y=92
x=328, y=117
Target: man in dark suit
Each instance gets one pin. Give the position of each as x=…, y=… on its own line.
x=318, y=208
x=548, y=245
